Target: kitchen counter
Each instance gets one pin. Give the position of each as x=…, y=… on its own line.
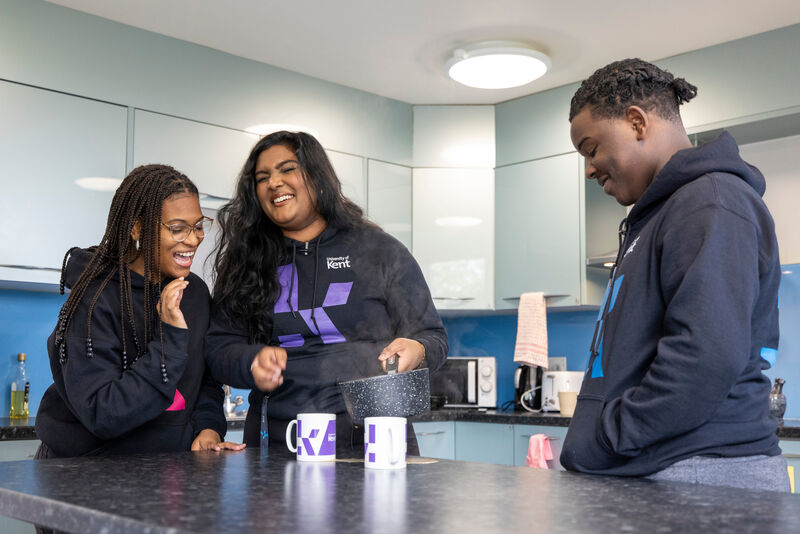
x=19, y=429
x=247, y=492
x=528, y=418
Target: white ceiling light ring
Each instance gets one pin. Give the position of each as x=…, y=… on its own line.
x=497, y=65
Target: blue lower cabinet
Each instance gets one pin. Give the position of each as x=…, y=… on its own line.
x=235, y=436
x=522, y=436
x=436, y=439
x=18, y=450
x=791, y=451
x=485, y=442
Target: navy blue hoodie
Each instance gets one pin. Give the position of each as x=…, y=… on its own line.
x=96, y=408
x=344, y=296
x=691, y=322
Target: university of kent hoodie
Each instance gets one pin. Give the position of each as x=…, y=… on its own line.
x=96, y=408
x=691, y=321
x=345, y=295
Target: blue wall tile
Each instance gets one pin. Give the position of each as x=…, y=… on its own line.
x=568, y=334
x=26, y=320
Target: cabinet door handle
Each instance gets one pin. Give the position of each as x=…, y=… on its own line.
x=528, y=436
x=546, y=296
x=430, y=433
x=31, y=267
x=453, y=298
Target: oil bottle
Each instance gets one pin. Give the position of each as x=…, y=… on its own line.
x=20, y=389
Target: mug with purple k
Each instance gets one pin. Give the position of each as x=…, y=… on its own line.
x=385, y=444
x=316, y=437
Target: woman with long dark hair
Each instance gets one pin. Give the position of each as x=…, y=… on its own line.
x=127, y=353
x=309, y=293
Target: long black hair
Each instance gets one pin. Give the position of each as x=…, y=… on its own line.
x=610, y=90
x=251, y=248
x=138, y=199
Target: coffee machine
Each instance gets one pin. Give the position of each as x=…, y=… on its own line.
x=527, y=388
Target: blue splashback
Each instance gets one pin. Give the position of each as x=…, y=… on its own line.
x=27, y=318
x=568, y=334
x=787, y=365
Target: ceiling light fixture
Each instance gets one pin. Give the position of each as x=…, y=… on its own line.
x=497, y=65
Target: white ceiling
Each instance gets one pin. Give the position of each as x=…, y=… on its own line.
x=397, y=48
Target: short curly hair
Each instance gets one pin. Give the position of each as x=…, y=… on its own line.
x=615, y=87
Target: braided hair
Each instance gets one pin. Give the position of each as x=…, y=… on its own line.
x=138, y=199
x=615, y=87
x=250, y=247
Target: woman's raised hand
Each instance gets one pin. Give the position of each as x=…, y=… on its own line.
x=267, y=368
x=169, y=305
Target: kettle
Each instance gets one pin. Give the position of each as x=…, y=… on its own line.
x=527, y=384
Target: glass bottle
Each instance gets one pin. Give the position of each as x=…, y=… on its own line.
x=777, y=400
x=20, y=388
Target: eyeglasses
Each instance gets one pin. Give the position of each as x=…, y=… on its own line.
x=180, y=231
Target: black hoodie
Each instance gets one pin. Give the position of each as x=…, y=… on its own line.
x=96, y=408
x=361, y=289
x=691, y=321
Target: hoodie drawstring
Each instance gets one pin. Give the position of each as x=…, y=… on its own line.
x=314, y=290
x=291, y=281
x=600, y=324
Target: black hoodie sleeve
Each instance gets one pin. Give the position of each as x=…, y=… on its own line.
x=208, y=409
x=709, y=278
x=108, y=401
x=409, y=303
x=228, y=353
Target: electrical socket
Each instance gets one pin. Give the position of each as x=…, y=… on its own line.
x=557, y=363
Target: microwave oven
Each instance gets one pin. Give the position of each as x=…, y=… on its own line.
x=466, y=382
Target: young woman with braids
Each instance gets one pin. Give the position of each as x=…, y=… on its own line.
x=127, y=353
x=308, y=293
x=675, y=389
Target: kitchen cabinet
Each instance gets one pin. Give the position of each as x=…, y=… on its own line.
x=18, y=449
x=791, y=452
x=522, y=435
x=389, y=199
x=454, y=136
x=538, y=230
x=549, y=219
x=453, y=229
x=775, y=158
x=47, y=141
x=211, y=156
x=350, y=170
x=436, y=439
x=485, y=442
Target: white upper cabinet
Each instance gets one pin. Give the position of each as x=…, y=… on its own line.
x=47, y=141
x=350, y=170
x=390, y=199
x=776, y=158
x=211, y=156
x=454, y=136
x=538, y=231
x=453, y=227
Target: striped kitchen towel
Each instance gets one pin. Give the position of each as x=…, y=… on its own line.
x=531, y=347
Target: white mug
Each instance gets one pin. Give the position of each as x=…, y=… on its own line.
x=385, y=442
x=316, y=437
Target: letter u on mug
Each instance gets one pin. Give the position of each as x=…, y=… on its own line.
x=316, y=437
x=385, y=442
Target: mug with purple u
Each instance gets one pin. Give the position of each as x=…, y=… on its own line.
x=316, y=437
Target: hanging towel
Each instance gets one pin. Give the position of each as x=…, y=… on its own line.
x=539, y=451
x=531, y=347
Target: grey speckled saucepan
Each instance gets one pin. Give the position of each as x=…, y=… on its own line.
x=394, y=395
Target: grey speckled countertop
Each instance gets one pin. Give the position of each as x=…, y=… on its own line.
x=246, y=492
x=23, y=429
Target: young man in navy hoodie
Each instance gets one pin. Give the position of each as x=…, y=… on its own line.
x=674, y=388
